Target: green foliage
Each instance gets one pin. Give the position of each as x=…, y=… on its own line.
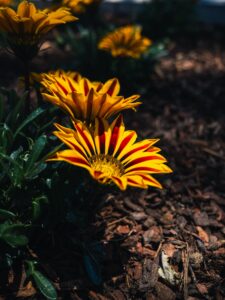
x=22, y=159
x=12, y=234
x=42, y=283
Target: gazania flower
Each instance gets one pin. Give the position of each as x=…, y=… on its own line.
x=85, y=100
x=77, y=6
x=111, y=155
x=25, y=26
x=125, y=41
x=5, y=3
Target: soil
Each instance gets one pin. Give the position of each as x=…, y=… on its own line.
x=161, y=244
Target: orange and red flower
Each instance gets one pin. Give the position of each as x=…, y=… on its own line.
x=86, y=100
x=111, y=155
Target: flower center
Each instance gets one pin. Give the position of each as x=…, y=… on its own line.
x=106, y=164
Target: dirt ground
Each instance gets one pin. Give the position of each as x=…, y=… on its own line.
x=167, y=244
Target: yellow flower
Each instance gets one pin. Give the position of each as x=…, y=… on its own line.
x=111, y=155
x=5, y=3
x=125, y=41
x=25, y=26
x=77, y=6
x=85, y=100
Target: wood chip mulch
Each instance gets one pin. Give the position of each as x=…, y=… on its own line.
x=170, y=244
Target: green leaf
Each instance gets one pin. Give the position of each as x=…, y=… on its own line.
x=6, y=214
x=38, y=168
x=15, y=154
x=10, y=233
x=35, y=153
x=6, y=136
x=15, y=172
x=44, y=285
x=15, y=240
x=29, y=119
x=30, y=267
x=36, y=206
x=9, y=228
x=16, y=109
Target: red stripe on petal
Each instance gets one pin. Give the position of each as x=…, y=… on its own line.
x=151, y=180
x=115, y=134
x=101, y=134
x=90, y=103
x=112, y=87
x=77, y=148
x=77, y=105
x=99, y=87
x=86, y=87
x=132, y=181
x=76, y=77
x=141, y=169
x=135, y=150
x=77, y=160
x=140, y=160
x=97, y=174
x=101, y=104
x=120, y=182
x=61, y=87
x=148, y=179
x=85, y=138
x=125, y=141
x=70, y=84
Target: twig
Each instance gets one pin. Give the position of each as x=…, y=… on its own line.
x=213, y=153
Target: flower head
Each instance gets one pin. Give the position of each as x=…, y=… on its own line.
x=85, y=100
x=111, y=155
x=6, y=3
x=77, y=6
x=25, y=26
x=125, y=41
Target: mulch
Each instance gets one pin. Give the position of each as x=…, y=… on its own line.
x=170, y=244
x=163, y=244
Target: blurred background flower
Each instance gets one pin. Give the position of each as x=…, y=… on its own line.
x=77, y=6
x=6, y=3
x=26, y=26
x=125, y=41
